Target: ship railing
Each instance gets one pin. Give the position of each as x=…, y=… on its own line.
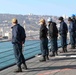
x=31, y=49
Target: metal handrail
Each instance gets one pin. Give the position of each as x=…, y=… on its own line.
x=24, y=50
x=6, y=60
x=32, y=43
x=12, y=54
x=10, y=40
x=24, y=54
x=14, y=58
x=31, y=51
x=6, y=51
x=12, y=48
x=32, y=35
x=5, y=56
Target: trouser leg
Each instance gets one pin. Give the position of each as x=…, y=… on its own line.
x=44, y=48
x=64, y=43
x=47, y=50
x=18, y=54
x=54, y=46
x=72, y=40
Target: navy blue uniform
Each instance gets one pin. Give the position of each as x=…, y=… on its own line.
x=74, y=21
x=53, y=34
x=44, y=40
x=18, y=38
x=72, y=34
x=63, y=32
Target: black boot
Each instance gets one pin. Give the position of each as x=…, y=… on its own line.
x=43, y=59
x=63, y=50
x=53, y=54
x=18, y=70
x=24, y=66
x=72, y=47
x=47, y=57
x=56, y=52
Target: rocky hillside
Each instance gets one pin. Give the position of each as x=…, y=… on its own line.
x=31, y=22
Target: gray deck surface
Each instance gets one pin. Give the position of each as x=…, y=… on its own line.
x=63, y=64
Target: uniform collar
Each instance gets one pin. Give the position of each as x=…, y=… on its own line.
x=14, y=25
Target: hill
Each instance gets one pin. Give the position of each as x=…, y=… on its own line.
x=31, y=22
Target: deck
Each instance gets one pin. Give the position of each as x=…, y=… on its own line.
x=63, y=64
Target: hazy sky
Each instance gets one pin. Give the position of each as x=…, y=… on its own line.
x=38, y=7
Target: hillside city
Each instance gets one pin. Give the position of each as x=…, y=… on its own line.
x=30, y=23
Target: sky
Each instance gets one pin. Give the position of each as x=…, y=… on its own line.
x=38, y=7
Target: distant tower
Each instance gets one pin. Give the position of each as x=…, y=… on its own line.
x=2, y=31
x=64, y=16
x=30, y=14
x=24, y=23
x=24, y=27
